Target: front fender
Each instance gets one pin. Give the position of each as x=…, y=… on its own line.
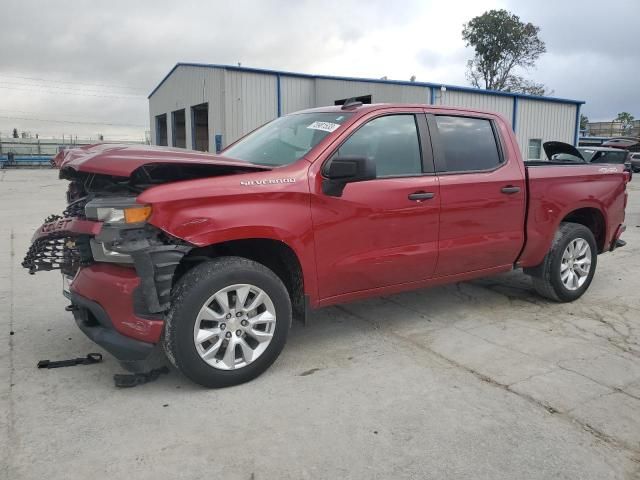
x=210, y=221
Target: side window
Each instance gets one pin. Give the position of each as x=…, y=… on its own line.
x=392, y=142
x=468, y=143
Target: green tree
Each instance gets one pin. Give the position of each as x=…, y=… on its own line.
x=15, y=133
x=626, y=119
x=502, y=43
x=584, y=121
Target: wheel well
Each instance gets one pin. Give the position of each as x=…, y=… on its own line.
x=273, y=254
x=593, y=219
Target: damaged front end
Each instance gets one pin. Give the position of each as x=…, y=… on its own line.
x=118, y=268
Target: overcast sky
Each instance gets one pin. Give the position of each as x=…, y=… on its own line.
x=89, y=66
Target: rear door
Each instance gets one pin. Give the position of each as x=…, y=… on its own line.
x=482, y=194
x=380, y=232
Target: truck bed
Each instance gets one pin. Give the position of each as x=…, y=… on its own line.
x=557, y=189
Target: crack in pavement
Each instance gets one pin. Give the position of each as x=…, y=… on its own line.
x=635, y=453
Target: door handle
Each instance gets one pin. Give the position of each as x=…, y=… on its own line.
x=419, y=196
x=510, y=189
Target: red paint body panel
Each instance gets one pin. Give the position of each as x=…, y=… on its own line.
x=556, y=191
x=481, y=227
x=112, y=287
x=215, y=210
x=122, y=160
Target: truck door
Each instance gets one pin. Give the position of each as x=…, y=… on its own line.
x=385, y=231
x=482, y=194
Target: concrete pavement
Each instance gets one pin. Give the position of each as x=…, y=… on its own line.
x=473, y=380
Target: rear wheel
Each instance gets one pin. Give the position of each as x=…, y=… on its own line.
x=567, y=270
x=228, y=322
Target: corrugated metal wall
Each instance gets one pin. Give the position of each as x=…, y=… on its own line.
x=184, y=88
x=328, y=91
x=491, y=103
x=239, y=101
x=545, y=121
x=297, y=93
x=250, y=101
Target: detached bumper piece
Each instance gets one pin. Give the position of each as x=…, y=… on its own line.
x=88, y=360
x=135, y=379
x=61, y=243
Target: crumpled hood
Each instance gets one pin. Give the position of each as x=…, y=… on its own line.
x=121, y=160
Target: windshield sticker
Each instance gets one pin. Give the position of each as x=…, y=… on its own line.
x=324, y=126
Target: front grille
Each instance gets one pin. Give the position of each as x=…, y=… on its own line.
x=58, y=250
x=76, y=209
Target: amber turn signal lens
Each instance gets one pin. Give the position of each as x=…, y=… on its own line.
x=137, y=214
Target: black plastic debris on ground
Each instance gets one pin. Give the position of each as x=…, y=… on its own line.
x=91, y=358
x=135, y=379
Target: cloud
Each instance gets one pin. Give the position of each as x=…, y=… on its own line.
x=591, y=55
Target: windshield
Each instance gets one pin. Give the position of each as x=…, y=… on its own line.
x=286, y=139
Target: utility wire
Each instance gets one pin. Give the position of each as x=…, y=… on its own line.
x=71, y=122
x=48, y=80
x=133, y=97
x=69, y=89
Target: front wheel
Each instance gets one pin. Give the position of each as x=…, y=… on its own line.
x=228, y=321
x=567, y=270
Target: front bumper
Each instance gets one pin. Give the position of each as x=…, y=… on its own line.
x=116, y=290
x=94, y=321
x=105, y=300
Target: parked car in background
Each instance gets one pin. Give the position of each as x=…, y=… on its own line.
x=564, y=152
x=635, y=162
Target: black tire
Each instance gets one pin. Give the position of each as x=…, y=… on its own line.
x=190, y=294
x=546, y=277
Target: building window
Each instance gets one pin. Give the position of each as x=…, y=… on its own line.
x=469, y=144
x=161, y=130
x=535, y=149
x=178, y=129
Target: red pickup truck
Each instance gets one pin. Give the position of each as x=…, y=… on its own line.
x=208, y=258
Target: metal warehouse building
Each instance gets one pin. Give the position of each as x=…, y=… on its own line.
x=206, y=107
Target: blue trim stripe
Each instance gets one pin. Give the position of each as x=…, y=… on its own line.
x=514, y=118
x=577, y=128
x=278, y=95
x=367, y=80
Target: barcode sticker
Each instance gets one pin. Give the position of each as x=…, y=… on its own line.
x=324, y=126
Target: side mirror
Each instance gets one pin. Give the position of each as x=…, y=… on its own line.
x=342, y=170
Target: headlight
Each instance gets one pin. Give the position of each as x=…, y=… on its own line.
x=117, y=210
x=135, y=214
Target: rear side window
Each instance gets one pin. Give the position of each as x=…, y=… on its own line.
x=391, y=141
x=468, y=143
